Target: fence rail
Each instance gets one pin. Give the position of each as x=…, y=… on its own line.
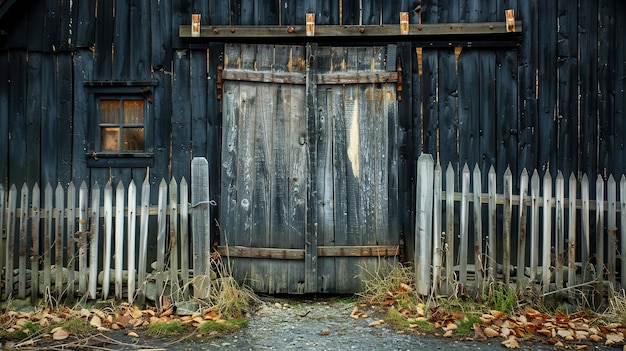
x=536, y=237
x=59, y=245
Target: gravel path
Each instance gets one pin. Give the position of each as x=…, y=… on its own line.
x=323, y=324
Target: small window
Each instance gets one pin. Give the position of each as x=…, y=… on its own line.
x=122, y=125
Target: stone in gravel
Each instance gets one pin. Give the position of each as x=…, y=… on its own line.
x=186, y=308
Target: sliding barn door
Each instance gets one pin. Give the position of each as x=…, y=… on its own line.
x=309, y=175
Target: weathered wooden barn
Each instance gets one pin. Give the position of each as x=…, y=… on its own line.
x=311, y=132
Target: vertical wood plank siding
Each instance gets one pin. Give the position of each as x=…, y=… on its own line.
x=554, y=103
x=620, y=95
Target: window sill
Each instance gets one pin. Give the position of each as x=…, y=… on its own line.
x=120, y=159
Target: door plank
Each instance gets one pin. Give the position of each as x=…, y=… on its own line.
x=298, y=169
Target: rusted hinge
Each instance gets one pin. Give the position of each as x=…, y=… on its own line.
x=219, y=84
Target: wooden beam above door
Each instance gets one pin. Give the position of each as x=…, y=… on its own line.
x=483, y=31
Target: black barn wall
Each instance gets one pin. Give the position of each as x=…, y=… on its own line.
x=555, y=102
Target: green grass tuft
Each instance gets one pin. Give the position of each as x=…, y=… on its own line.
x=504, y=299
x=228, y=326
x=75, y=325
x=26, y=330
x=166, y=329
x=466, y=325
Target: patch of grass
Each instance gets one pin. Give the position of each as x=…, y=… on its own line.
x=466, y=325
x=218, y=328
x=454, y=304
x=173, y=327
x=397, y=319
x=24, y=331
x=401, y=322
x=74, y=325
x=503, y=299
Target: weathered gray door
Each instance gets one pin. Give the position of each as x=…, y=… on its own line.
x=309, y=165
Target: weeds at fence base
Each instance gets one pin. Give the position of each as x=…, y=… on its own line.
x=567, y=318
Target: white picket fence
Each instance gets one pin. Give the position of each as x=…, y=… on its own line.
x=56, y=238
x=59, y=240
x=554, y=233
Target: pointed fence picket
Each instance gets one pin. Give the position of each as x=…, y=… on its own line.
x=47, y=248
x=564, y=252
x=34, y=246
x=560, y=255
x=21, y=278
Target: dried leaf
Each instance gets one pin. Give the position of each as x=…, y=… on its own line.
x=135, y=313
x=168, y=312
x=498, y=314
x=613, y=326
x=85, y=312
x=419, y=311
x=560, y=317
x=389, y=301
x=60, y=334
x=98, y=313
x=325, y=332
x=595, y=338
x=478, y=333
x=613, y=338
x=450, y=326
x=95, y=322
x=511, y=343
x=133, y=334
x=405, y=288
x=564, y=333
x=581, y=334
x=376, y=323
x=490, y=332
x=530, y=328
x=448, y=334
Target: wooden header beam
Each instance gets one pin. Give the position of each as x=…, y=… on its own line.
x=480, y=30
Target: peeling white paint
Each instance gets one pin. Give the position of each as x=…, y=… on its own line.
x=353, y=135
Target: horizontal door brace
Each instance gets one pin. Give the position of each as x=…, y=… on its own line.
x=298, y=254
x=360, y=77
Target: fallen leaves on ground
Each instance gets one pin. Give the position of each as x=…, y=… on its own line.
x=122, y=317
x=531, y=324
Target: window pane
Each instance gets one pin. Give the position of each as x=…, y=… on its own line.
x=110, y=139
x=133, y=139
x=109, y=111
x=133, y=111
